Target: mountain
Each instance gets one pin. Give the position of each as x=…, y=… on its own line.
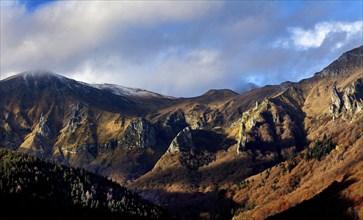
x=274, y=151
x=51, y=116
x=247, y=87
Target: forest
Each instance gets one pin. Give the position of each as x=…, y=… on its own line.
x=31, y=188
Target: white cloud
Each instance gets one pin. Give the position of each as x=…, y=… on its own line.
x=64, y=30
x=186, y=73
x=304, y=39
x=199, y=70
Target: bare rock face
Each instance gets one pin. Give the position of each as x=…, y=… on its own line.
x=75, y=120
x=140, y=134
x=196, y=116
x=351, y=101
x=336, y=103
x=241, y=145
x=353, y=97
x=182, y=142
x=43, y=127
x=248, y=123
x=175, y=122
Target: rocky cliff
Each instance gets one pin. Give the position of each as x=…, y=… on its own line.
x=139, y=134
x=183, y=142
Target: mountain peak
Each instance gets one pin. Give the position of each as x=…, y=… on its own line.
x=347, y=61
x=36, y=74
x=47, y=77
x=220, y=92
x=247, y=87
x=41, y=74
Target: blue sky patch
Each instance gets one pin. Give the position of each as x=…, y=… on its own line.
x=32, y=5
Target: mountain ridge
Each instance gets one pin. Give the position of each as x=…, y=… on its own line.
x=231, y=138
x=115, y=89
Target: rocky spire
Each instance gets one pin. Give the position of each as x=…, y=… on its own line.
x=182, y=142
x=336, y=103
x=43, y=127
x=241, y=145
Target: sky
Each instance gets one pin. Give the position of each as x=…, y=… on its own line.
x=180, y=48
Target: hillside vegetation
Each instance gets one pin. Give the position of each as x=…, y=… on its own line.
x=34, y=189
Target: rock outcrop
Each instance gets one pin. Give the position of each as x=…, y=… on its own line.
x=175, y=122
x=269, y=126
x=44, y=130
x=241, y=144
x=351, y=102
x=353, y=98
x=140, y=134
x=196, y=116
x=336, y=103
x=77, y=117
x=183, y=142
x=248, y=123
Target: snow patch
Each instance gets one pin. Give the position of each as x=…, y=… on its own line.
x=126, y=91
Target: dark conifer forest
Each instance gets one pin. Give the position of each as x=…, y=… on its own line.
x=31, y=188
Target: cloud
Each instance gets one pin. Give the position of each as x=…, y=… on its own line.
x=192, y=71
x=63, y=30
x=181, y=48
x=303, y=39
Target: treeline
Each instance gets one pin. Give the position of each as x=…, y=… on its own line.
x=31, y=188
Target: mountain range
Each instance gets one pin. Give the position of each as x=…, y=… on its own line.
x=288, y=151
